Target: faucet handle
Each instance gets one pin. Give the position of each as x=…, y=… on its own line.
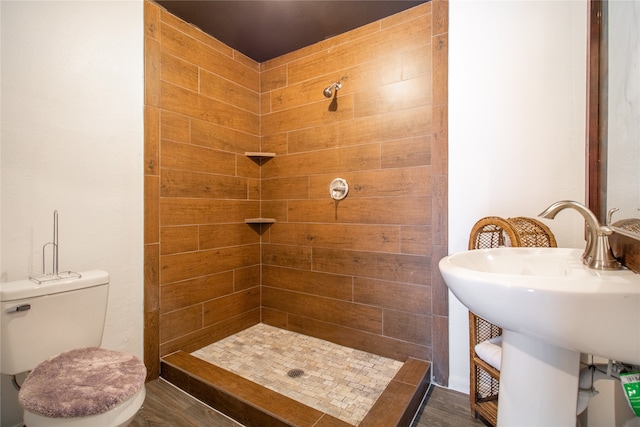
x=610, y=213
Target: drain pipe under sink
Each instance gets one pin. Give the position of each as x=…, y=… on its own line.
x=588, y=376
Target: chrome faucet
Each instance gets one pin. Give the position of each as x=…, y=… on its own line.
x=597, y=252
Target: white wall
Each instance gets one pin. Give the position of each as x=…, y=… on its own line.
x=72, y=140
x=517, y=91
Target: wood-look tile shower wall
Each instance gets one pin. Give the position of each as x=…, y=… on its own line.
x=355, y=271
x=359, y=272
x=202, y=263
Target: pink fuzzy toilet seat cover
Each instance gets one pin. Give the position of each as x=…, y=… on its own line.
x=82, y=382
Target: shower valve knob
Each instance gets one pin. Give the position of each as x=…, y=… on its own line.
x=338, y=189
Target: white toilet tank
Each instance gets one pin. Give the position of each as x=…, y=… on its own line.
x=39, y=321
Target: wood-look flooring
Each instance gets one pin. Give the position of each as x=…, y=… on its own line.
x=167, y=406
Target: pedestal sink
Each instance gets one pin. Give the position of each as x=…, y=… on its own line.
x=552, y=308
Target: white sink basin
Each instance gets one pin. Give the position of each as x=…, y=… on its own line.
x=551, y=308
x=549, y=294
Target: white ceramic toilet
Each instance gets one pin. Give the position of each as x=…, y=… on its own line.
x=54, y=330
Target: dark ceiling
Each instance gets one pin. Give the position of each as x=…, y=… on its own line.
x=265, y=29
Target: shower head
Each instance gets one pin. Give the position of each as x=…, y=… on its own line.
x=329, y=90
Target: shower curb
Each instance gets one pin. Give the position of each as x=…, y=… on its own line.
x=254, y=405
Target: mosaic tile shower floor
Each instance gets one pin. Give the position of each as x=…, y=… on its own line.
x=337, y=380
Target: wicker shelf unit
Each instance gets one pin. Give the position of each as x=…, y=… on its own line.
x=493, y=232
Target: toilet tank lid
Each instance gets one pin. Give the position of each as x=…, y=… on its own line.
x=21, y=289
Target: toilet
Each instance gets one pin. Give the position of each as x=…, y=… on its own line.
x=53, y=330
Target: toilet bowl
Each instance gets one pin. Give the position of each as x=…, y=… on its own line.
x=120, y=416
x=53, y=330
x=91, y=386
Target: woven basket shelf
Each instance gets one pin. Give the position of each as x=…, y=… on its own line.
x=494, y=232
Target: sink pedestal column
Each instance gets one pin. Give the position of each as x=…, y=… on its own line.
x=538, y=383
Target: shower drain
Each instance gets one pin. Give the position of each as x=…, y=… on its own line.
x=295, y=373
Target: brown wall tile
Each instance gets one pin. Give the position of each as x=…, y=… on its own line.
x=285, y=188
x=440, y=16
x=393, y=295
x=274, y=209
x=183, y=211
x=179, y=183
x=407, y=326
x=224, y=235
x=223, y=138
x=195, y=264
x=417, y=62
x=151, y=140
x=151, y=209
x=407, y=15
x=357, y=316
x=386, y=127
x=275, y=318
x=151, y=20
x=180, y=322
x=245, y=278
x=378, y=238
x=378, y=44
x=416, y=240
x=274, y=144
x=182, y=101
x=376, y=265
x=151, y=72
x=307, y=115
x=396, y=210
x=151, y=278
x=385, y=183
x=360, y=272
x=440, y=58
x=232, y=305
x=378, y=136
x=217, y=87
x=287, y=256
x=440, y=349
x=178, y=72
x=190, y=157
x=393, y=97
x=406, y=152
x=200, y=54
x=360, y=157
x=358, y=339
x=195, y=33
x=205, y=336
x=178, y=239
x=273, y=78
x=312, y=139
x=308, y=282
x=174, y=127
x=190, y=292
x=246, y=61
